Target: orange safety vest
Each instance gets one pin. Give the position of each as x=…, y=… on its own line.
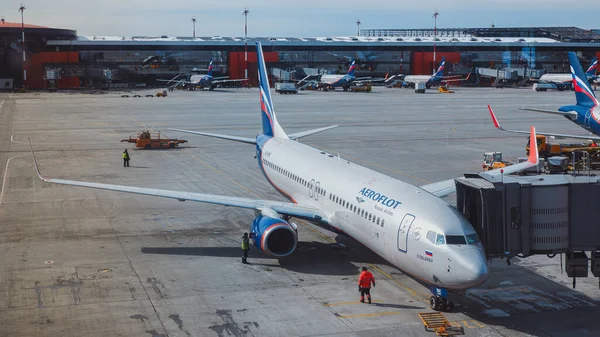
x=365, y=279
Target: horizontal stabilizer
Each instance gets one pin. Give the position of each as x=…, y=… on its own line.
x=215, y=135
x=570, y=114
x=310, y=132
x=556, y=135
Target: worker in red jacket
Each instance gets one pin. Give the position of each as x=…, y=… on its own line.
x=364, y=284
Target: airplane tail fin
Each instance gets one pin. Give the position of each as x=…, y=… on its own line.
x=352, y=67
x=583, y=92
x=209, y=73
x=440, y=70
x=591, y=71
x=269, y=122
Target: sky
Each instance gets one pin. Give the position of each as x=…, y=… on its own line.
x=303, y=18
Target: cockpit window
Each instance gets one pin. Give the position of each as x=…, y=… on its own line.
x=431, y=236
x=472, y=238
x=455, y=239
x=440, y=240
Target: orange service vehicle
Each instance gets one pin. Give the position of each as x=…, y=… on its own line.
x=146, y=140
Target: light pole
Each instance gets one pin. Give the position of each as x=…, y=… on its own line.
x=22, y=9
x=246, y=11
x=357, y=27
x=194, y=23
x=435, y=15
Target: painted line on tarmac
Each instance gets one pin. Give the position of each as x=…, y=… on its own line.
x=385, y=313
x=389, y=277
x=315, y=231
x=5, y=172
x=333, y=304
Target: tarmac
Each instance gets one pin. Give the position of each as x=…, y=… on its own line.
x=82, y=262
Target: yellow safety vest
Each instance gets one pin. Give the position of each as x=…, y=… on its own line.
x=245, y=244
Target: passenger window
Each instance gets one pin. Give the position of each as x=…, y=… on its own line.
x=440, y=240
x=369, y=217
x=431, y=236
x=382, y=222
x=378, y=220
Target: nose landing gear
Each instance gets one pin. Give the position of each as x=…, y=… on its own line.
x=439, y=300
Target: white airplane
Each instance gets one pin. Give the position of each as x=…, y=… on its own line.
x=435, y=79
x=410, y=227
x=344, y=81
x=566, y=79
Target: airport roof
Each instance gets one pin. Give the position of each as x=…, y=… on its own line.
x=562, y=34
x=5, y=24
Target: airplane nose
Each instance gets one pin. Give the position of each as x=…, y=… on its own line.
x=475, y=268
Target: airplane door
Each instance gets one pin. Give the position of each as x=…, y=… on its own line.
x=403, y=230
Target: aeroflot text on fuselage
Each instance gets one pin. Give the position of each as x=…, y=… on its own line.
x=380, y=198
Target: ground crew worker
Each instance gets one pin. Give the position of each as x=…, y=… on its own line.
x=245, y=248
x=364, y=284
x=125, y=158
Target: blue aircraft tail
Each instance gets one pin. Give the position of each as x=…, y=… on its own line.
x=352, y=68
x=440, y=70
x=209, y=73
x=269, y=122
x=583, y=92
x=591, y=71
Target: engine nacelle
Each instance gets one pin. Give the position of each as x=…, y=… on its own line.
x=274, y=236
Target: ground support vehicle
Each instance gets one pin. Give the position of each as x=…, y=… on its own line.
x=146, y=140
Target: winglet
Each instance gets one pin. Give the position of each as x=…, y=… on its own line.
x=494, y=119
x=533, y=149
x=37, y=169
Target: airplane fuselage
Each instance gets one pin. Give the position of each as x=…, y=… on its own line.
x=587, y=118
x=400, y=222
x=556, y=78
x=334, y=81
x=203, y=81
x=427, y=79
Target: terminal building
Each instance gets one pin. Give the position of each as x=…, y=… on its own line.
x=60, y=58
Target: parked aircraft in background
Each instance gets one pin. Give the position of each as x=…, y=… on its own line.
x=435, y=79
x=204, y=81
x=586, y=113
x=567, y=78
x=409, y=226
x=343, y=81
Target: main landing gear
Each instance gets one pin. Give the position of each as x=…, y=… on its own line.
x=439, y=300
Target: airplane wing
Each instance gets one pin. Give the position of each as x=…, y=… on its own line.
x=225, y=81
x=570, y=114
x=445, y=187
x=451, y=79
x=557, y=135
x=283, y=208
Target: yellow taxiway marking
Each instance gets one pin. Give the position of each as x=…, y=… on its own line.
x=385, y=313
x=389, y=277
x=345, y=303
x=315, y=231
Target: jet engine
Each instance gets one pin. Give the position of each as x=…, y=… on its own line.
x=274, y=236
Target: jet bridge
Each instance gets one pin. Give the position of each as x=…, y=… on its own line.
x=533, y=215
